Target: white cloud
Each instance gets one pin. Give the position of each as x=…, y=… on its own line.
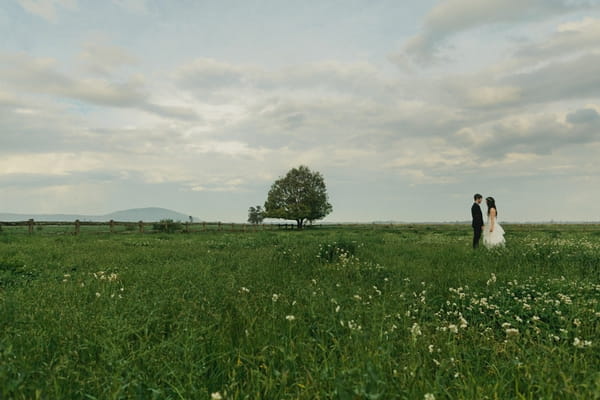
x=42, y=76
x=570, y=39
x=133, y=6
x=103, y=58
x=491, y=96
x=450, y=17
x=205, y=74
x=50, y=163
x=47, y=9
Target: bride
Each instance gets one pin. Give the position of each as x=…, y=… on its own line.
x=493, y=234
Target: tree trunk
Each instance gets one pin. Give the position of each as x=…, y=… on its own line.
x=300, y=221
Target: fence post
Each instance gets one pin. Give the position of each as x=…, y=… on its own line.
x=111, y=225
x=141, y=226
x=187, y=227
x=30, y=226
x=203, y=225
x=219, y=225
x=77, y=226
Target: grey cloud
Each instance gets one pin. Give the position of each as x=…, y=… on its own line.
x=584, y=116
x=344, y=77
x=104, y=59
x=30, y=127
x=454, y=16
x=483, y=96
x=42, y=180
x=41, y=76
x=206, y=77
x=147, y=141
x=182, y=113
x=542, y=134
x=208, y=74
x=573, y=79
x=47, y=9
x=133, y=6
x=573, y=37
x=348, y=122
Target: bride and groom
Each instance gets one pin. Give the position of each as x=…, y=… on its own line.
x=493, y=234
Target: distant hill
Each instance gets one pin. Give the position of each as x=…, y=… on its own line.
x=150, y=214
x=146, y=214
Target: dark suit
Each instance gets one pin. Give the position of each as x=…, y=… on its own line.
x=477, y=224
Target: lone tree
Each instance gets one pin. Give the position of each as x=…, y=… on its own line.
x=301, y=195
x=256, y=215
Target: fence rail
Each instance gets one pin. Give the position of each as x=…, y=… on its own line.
x=121, y=227
x=76, y=227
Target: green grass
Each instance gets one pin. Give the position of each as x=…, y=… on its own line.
x=392, y=312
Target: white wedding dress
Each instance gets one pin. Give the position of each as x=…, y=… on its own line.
x=495, y=238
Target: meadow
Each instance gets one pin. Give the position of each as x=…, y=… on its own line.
x=357, y=312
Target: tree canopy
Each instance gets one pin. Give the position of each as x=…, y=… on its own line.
x=301, y=196
x=256, y=215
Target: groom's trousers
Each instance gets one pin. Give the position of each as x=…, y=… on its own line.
x=476, y=236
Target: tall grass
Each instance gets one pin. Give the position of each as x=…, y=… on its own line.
x=343, y=313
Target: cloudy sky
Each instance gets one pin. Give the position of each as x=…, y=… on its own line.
x=406, y=107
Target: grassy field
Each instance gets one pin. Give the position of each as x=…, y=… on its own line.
x=396, y=312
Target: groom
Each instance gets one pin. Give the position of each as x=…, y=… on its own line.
x=477, y=216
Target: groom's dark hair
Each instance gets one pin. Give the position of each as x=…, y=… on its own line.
x=477, y=196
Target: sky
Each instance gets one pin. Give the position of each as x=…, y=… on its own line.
x=407, y=108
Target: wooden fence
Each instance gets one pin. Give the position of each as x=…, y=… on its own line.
x=76, y=227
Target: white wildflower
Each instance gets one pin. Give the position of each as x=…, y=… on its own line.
x=415, y=330
x=290, y=317
x=354, y=326
x=512, y=332
x=429, y=396
x=580, y=343
x=216, y=396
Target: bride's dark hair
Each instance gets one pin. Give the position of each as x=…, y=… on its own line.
x=491, y=203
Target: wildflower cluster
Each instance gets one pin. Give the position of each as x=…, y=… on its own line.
x=554, y=310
